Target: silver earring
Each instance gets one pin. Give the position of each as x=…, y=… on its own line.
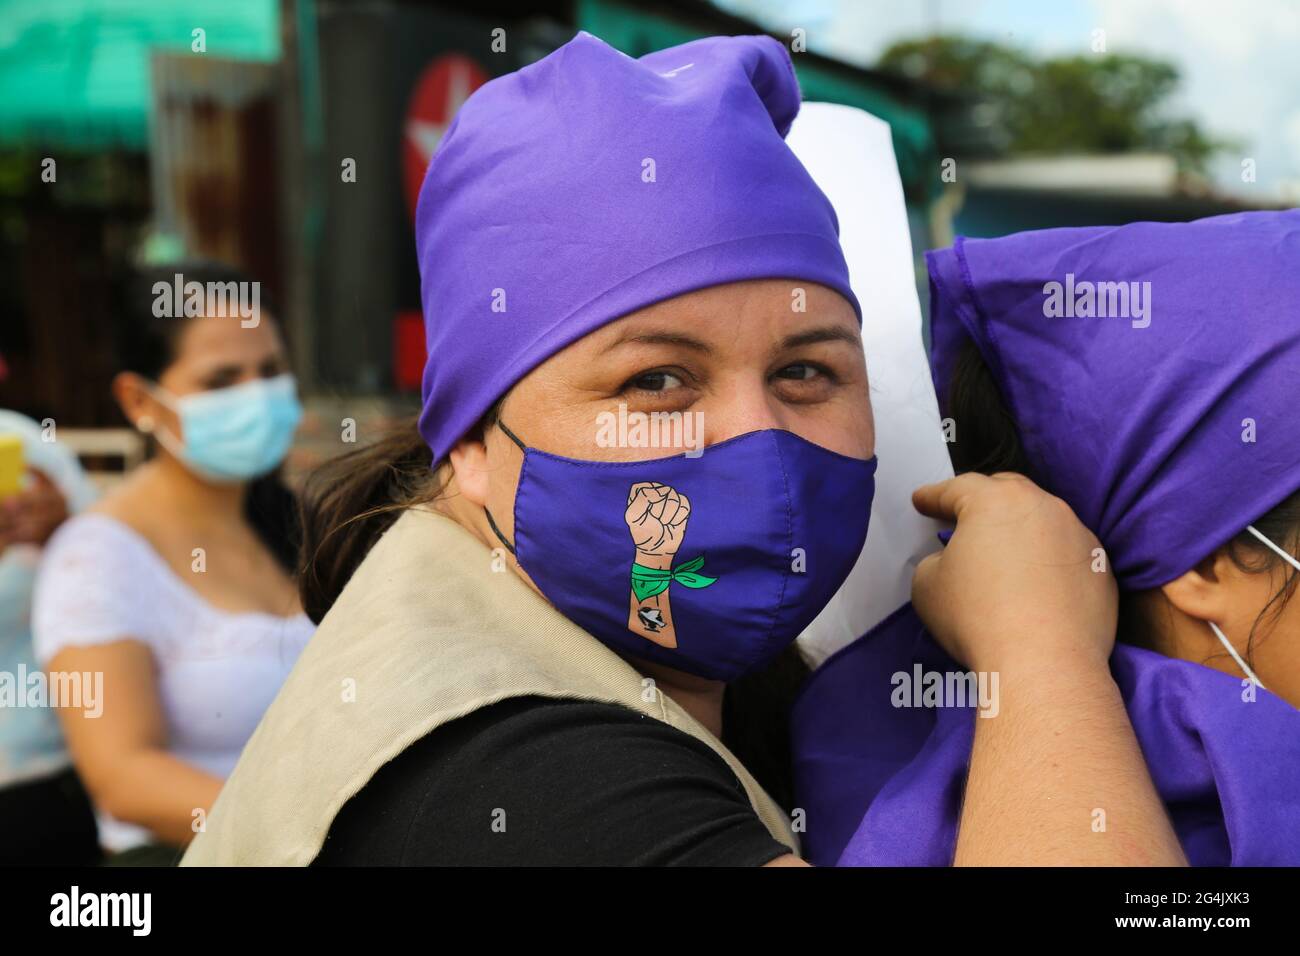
x=144, y=423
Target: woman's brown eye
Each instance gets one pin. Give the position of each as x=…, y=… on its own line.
x=656, y=381
x=798, y=372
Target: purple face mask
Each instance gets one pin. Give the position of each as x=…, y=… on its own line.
x=710, y=565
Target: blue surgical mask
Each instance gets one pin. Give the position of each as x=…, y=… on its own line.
x=236, y=433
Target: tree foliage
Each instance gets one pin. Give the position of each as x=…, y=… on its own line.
x=1102, y=103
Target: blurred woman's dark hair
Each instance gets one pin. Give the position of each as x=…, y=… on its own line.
x=147, y=344
x=988, y=441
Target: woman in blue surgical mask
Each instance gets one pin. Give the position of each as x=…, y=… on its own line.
x=177, y=587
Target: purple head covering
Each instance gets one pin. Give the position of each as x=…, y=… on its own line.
x=590, y=184
x=1151, y=369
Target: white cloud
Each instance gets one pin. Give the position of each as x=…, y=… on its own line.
x=1241, y=73
x=1231, y=32
x=1291, y=134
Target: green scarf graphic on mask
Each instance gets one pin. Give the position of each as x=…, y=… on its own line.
x=647, y=582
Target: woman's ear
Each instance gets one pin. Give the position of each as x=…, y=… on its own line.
x=1203, y=592
x=135, y=401
x=469, y=463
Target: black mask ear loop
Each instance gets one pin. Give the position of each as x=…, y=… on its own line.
x=524, y=448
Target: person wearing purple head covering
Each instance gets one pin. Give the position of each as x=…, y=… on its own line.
x=1145, y=374
x=644, y=463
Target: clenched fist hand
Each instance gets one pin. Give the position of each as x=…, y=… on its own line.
x=656, y=516
x=1021, y=575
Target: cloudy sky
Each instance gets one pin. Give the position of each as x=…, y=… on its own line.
x=1240, y=59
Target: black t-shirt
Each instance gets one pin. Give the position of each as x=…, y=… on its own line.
x=533, y=781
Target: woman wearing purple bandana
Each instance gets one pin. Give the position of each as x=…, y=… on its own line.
x=1146, y=374
x=557, y=622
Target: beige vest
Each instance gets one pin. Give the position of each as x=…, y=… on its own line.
x=425, y=632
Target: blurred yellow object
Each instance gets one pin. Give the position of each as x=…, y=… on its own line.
x=11, y=465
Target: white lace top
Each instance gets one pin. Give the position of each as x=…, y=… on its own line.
x=217, y=671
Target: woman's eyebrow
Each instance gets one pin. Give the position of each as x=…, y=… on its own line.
x=222, y=371
x=663, y=338
x=828, y=333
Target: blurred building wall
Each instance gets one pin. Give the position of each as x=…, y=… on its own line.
x=213, y=161
x=373, y=58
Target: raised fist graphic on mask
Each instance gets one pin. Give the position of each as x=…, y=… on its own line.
x=656, y=516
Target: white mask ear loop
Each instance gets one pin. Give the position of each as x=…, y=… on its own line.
x=1223, y=639
x=1290, y=559
x=148, y=426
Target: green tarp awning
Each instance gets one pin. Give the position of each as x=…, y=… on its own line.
x=75, y=73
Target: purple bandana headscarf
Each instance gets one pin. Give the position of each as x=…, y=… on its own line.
x=1168, y=427
x=588, y=185
x=1132, y=408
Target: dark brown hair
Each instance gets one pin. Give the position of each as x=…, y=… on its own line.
x=988, y=441
x=350, y=501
